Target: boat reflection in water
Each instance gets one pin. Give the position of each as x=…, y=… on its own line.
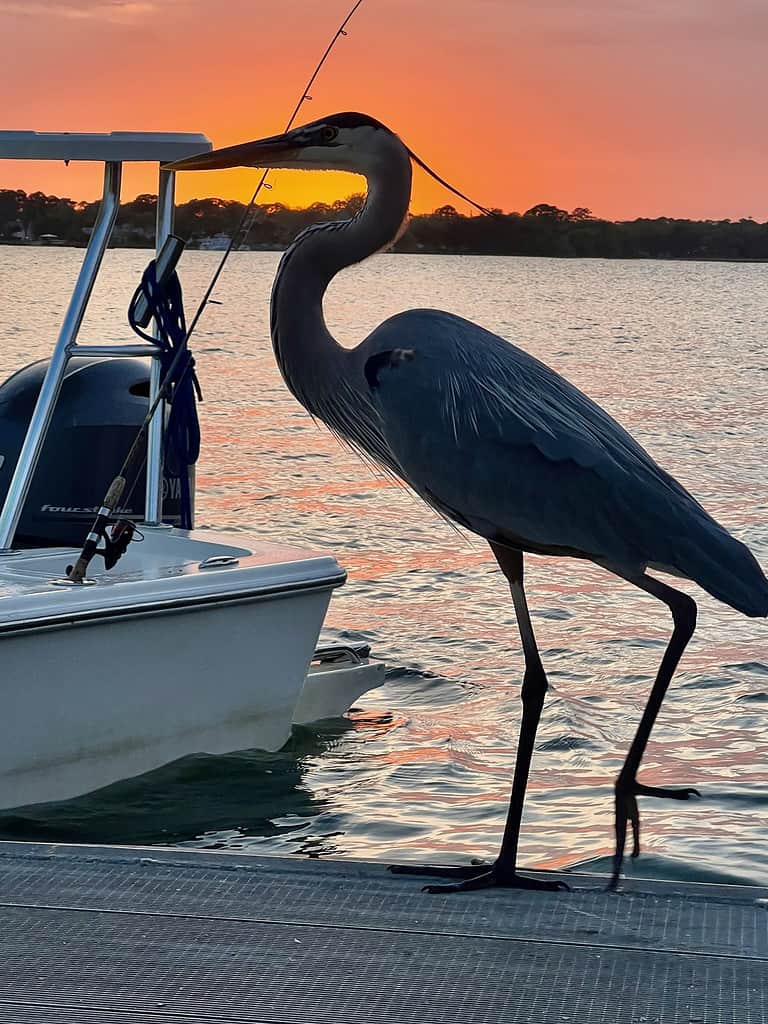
x=203, y=799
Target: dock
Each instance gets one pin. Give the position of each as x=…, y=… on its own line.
x=112, y=935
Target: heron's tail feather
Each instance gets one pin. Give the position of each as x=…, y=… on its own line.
x=725, y=568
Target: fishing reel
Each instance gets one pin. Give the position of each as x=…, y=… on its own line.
x=116, y=541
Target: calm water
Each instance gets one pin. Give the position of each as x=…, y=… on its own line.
x=421, y=769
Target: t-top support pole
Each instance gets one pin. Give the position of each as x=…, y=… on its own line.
x=49, y=392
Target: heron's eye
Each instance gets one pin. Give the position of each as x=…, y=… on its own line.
x=328, y=133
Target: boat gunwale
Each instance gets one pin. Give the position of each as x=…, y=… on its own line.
x=135, y=610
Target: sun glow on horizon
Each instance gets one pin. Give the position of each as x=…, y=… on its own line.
x=567, y=104
x=82, y=183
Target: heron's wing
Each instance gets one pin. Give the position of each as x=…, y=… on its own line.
x=509, y=448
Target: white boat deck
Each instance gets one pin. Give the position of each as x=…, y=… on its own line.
x=117, y=935
x=192, y=642
x=161, y=567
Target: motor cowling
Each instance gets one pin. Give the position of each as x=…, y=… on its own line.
x=101, y=407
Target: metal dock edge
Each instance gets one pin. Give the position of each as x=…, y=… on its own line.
x=107, y=935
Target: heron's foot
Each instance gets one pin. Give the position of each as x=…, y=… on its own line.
x=477, y=875
x=497, y=878
x=466, y=871
x=627, y=811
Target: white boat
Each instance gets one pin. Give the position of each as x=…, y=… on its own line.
x=215, y=243
x=194, y=641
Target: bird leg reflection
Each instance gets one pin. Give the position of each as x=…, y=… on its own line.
x=503, y=873
x=627, y=787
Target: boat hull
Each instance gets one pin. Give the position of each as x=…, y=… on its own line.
x=194, y=643
x=91, y=704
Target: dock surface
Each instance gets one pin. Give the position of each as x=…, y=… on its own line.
x=111, y=935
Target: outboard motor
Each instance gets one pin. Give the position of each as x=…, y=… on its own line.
x=102, y=404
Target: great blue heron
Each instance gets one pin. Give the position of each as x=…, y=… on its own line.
x=492, y=439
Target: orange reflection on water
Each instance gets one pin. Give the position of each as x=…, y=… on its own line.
x=435, y=773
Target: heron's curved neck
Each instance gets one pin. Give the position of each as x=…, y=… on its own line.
x=309, y=357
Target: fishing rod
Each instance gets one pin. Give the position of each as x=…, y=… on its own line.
x=116, y=545
x=123, y=531
x=304, y=98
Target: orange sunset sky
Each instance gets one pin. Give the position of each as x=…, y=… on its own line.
x=629, y=107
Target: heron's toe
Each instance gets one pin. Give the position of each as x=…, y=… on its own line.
x=497, y=879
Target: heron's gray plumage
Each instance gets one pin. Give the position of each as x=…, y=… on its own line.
x=492, y=439
x=488, y=435
x=327, y=379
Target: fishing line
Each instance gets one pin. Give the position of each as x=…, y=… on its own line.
x=262, y=183
x=444, y=183
x=76, y=573
x=303, y=98
x=340, y=31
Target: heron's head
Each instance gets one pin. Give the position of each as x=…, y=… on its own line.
x=340, y=142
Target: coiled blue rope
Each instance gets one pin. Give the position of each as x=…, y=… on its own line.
x=182, y=429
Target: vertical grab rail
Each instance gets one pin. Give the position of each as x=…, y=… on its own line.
x=49, y=392
x=153, y=504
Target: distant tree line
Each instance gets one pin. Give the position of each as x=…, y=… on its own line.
x=544, y=230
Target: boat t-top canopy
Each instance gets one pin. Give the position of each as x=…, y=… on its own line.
x=108, y=147
x=113, y=149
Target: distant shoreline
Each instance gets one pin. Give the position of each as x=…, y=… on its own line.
x=543, y=230
x=417, y=252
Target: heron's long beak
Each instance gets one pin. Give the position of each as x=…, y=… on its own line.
x=277, y=151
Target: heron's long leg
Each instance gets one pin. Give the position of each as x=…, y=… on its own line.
x=683, y=610
x=504, y=871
